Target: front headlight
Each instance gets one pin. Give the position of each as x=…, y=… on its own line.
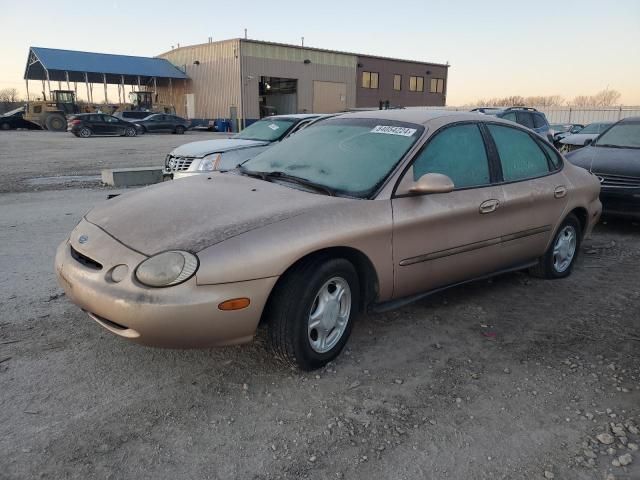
x=209, y=163
x=167, y=269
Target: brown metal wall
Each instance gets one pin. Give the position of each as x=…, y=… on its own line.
x=215, y=82
x=260, y=59
x=386, y=69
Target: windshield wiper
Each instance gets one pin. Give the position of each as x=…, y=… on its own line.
x=608, y=145
x=301, y=181
x=268, y=176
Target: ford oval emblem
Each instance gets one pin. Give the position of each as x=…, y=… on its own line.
x=82, y=239
x=601, y=179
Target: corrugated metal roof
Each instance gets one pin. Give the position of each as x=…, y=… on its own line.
x=75, y=61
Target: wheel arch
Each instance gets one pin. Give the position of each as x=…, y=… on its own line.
x=583, y=217
x=367, y=274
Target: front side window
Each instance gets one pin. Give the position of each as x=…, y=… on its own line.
x=397, y=82
x=437, y=85
x=369, y=80
x=416, y=84
x=457, y=152
x=268, y=130
x=538, y=120
x=524, y=118
x=520, y=155
x=349, y=155
x=622, y=135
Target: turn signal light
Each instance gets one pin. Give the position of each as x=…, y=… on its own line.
x=234, y=304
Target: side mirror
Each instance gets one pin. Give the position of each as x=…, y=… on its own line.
x=432, y=183
x=588, y=141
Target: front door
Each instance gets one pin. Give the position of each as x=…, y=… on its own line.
x=441, y=239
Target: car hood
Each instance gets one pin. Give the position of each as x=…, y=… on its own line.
x=207, y=147
x=579, y=138
x=614, y=161
x=197, y=212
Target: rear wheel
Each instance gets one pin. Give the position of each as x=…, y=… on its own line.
x=559, y=259
x=311, y=311
x=84, y=132
x=5, y=126
x=130, y=132
x=179, y=129
x=56, y=123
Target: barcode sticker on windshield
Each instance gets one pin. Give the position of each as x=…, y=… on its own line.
x=390, y=130
x=273, y=127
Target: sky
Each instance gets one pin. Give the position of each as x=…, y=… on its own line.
x=496, y=48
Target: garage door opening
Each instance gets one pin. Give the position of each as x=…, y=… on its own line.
x=278, y=96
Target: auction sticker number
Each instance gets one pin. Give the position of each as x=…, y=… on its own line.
x=391, y=130
x=274, y=127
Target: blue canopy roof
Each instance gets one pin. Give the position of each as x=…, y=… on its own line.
x=60, y=63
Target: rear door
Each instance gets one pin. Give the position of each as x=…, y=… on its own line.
x=440, y=239
x=533, y=189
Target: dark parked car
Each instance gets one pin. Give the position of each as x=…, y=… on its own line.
x=614, y=157
x=14, y=119
x=163, y=122
x=526, y=116
x=85, y=125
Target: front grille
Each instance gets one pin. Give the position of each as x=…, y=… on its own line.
x=84, y=260
x=177, y=164
x=618, y=181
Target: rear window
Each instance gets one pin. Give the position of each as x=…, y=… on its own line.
x=525, y=119
x=539, y=121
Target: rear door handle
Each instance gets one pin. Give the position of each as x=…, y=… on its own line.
x=489, y=206
x=560, y=191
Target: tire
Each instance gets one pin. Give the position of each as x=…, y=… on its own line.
x=56, y=123
x=179, y=130
x=130, y=132
x=5, y=126
x=297, y=297
x=555, y=263
x=142, y=130
x=84, y=132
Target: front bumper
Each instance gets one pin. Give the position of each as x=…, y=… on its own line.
x=182, y=316
x=621, y=201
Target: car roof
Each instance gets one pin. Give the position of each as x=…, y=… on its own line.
x=292, y=116
x=630, y=119
x=414, y=115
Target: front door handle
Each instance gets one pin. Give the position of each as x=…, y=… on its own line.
x=560, y=191
x=489, y=206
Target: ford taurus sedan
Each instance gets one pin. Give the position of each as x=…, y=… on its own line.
x=368, y=210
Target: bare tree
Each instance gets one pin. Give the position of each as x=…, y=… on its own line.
x=604, y=98
x=9, y=95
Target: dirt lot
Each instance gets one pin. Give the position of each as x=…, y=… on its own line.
x=515, y=378
x=36, y=160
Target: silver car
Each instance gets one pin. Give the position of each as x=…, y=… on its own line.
x=206, y=156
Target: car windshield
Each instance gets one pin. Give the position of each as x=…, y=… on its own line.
x=594, y=128
x=266, y=130
x=560, y=128
x=348, y=155
x=622, y=135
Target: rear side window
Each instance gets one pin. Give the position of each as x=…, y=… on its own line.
x=510, y=116
x=525, y=119
x=95, y=118
x=520, y=155
x=539, y=121
x=457, y=152
x=553, y=156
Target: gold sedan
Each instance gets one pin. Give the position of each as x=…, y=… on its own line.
x=367, y=210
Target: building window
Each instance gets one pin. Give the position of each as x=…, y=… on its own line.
x=369, y=80
x=437, y=85
x=416, y=84
x=397, y=82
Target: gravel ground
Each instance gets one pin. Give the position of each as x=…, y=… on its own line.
x=33, y=160
x=514, y=378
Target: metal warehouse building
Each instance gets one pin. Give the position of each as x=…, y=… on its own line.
x=248, y=79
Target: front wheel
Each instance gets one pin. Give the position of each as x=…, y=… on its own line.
x=559, y=259
x=179, y=130
x=130, y=132
x=310, y=313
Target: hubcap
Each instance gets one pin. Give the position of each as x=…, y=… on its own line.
x=565, y=249
x=329, y=315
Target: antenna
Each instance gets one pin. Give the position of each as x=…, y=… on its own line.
x=302, y=38
x=245, y=33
